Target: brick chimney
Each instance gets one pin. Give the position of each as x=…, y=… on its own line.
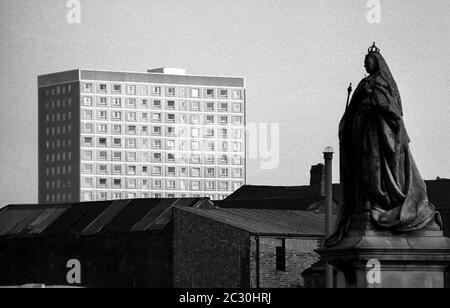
x=317, y=181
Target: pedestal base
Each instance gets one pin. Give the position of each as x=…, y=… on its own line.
x=373, y=259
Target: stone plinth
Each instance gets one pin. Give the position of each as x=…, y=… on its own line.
x=413, y=260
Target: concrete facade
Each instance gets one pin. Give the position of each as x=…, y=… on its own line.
x=121, y=135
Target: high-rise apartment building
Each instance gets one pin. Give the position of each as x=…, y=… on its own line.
x=121, y=135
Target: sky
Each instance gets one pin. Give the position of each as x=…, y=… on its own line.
x=298, y=58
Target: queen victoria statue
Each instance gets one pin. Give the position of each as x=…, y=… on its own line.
x=382, y=187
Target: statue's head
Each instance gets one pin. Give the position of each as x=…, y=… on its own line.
x=371, y=62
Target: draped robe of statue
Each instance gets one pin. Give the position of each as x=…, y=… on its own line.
x=378, y=173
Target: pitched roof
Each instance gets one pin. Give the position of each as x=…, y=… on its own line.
x=267, y=222
x=90, y=218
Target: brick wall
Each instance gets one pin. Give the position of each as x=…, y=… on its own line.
x=209, y=254
x=300, y=256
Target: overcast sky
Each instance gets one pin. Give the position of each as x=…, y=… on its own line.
x=298, y=57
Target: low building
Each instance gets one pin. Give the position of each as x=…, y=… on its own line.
x=125, y=243
x=244, y=248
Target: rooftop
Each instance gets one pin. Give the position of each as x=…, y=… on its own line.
x=137, y=215
x=267, y=222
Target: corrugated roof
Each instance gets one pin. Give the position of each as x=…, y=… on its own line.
x=93, y=217
x=267, y=222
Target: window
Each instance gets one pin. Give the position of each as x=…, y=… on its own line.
x=131, y=103
x=102, y=169
x=131, y=170
x=223, y=93
x=88, y=141
x=88, y=183
x=195, y=172
x=209, y=159
x=223, y=172
x=210, y=172
x=223, y=186
x=280, y=251
x=117, y=142
x=170, y=131
x=237, y=94
x=196, y=159
x=156, y=90
x=117, y=183
x=170, y=157
x=157, y=130
x=195, y=119
x=195, y=132
x=103, y=128
x=117, y=129
x=171, y=184
x=237, y=107
x=210, y=106
x=237, y=120
x=131, y=90
x=102, y=115
x=102, y=182
x=157, y=184
x=102, y=102
x=102, y=155
x=170, y=145
x=102, y=88
x=182, y=92
x=131, y=116
x=102, y=142
x=210, y=93
x=144, y=116
x=195, y=185
x=131, y=183
x=210, y=185
x=156, y=117
x=87, y=101
x=144, y=130
x=144, y=103
x=195, y=93
x=87, y=155
x=209, y=133
x=117, y=102
x=171, y=105
x=171, y=91
x=223, y=107
x=88, y=127
x=157, y=170
x=157, y=157
x=224, y=132
x=195, y=106
x=117, y=88
x=209, y=119
x=117, y=169
x=156, y=144
x=131, y=156
x=170, y=171
x=171, y=118
x=195, y=146
x=131, y=143
x=223, y=120
x=87, y=87
x=237, y=173
x=131, y=129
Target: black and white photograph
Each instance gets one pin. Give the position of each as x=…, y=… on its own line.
x=224, y=150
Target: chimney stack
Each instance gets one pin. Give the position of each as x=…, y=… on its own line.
x=317, y=181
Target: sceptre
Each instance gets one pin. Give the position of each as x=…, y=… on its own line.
x=349, y=90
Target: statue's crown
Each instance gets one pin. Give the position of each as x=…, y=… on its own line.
x=374, y=48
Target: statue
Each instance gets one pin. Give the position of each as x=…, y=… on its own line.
x=379, y=177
